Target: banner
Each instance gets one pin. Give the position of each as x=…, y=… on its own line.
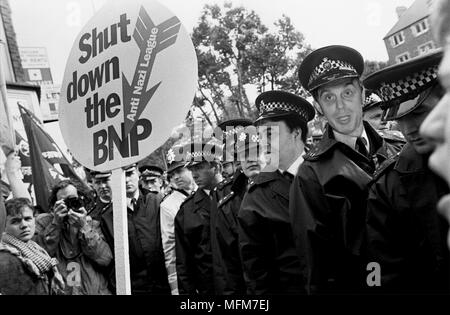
x=44, y=154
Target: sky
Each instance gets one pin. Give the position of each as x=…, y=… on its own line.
x=360, y=24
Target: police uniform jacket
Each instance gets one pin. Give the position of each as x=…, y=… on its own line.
x=147, y=269
x=227, y=235
x=405, y=233
x=267, y=248
x=327, y=209
x=193, y=245
x=219, y=192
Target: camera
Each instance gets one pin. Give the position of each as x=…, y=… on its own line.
x=73, y=203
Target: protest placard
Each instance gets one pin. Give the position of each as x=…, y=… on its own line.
x=129, y=80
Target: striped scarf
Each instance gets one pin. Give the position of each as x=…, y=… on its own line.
x=33, y=255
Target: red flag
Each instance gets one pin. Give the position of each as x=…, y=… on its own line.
x=44, y=155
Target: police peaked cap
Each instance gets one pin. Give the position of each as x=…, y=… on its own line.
x=329, y=64
x=273, y=104
x=397, y=85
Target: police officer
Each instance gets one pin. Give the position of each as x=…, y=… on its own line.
x=372, y=113
x=147, y=268
x=226, y=227
x=101, y=182
x=151, y=178
x=184, y=186
x=229, y=131
x=405, y=233
x=267, y=248
x=328, y=196
x=194, y=262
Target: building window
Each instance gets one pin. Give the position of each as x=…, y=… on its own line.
x=425, y=48
x=420, y=27
x=397, y=39
x=402, y=57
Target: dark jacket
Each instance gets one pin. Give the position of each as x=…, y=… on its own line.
x=147, y=268
x=15, y=279
x=327, y=209
x=270, y=262
x=219, y=192
x=405, y=233
x=193, y=245
x=226, y=229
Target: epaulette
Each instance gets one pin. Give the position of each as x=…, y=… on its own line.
x=392, y=135
x=384, y=167
x=251, y=185
x=225, y=199
x=223, y=183
x=312, y=154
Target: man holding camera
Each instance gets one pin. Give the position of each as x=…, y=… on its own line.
x=76, y=240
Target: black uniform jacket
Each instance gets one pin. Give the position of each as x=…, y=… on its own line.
x=226, y=228
x=193, y=245
x=219, y=192
x=270, y=263
x=327, y=211
x=405, y=233
x=147, y=268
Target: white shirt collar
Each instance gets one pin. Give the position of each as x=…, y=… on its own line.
x=294, y=166
x=136, y=196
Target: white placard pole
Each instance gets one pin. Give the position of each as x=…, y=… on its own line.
x=122, y=261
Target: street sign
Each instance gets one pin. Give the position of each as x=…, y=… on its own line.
x=130, y=78
x=36, y=65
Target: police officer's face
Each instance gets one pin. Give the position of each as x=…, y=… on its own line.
x=373, y=116
x=251, y=167
x=103, y=188
x=409, y=125
x=228, y=169
x=341, y=104
x=203, y=174
x=278, y=143
x=152, y=184
x=182, y=178
x=21, y=226
x=131, y=182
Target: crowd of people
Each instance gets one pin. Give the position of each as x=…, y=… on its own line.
x=364, y=210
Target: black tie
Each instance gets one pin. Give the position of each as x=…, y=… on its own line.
x=134, y=203
x=361, y=146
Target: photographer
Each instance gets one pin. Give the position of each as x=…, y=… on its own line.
x=76, y=240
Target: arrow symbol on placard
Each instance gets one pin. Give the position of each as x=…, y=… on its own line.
x=151, y=40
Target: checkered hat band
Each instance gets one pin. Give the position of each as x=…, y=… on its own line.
x=412, y=83
x=286, y=107
x=328, y=65
x=196, y=155
x=233, y=131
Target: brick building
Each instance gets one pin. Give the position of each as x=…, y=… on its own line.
x=410, y=36
x=9, y=51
